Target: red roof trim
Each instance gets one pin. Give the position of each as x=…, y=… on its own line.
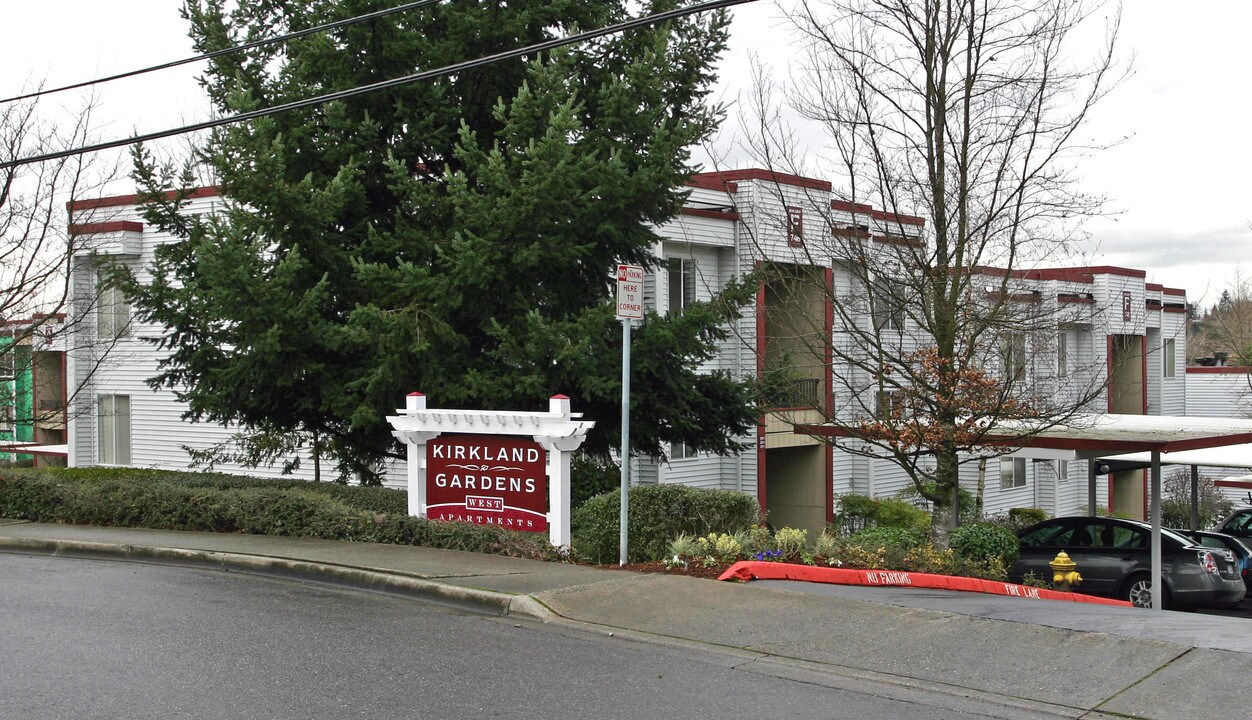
x=1114, y=270
x=1154, y=287
x=1079, y=275
x=106, y=227
x=1222, y=370
x=715, y=214
x=718, y=180
x=1174, y=291
x=1074, y=274
x=710, y=183
x=882, y=215
x=898, y=218
x=123, y=200
x=846, y=206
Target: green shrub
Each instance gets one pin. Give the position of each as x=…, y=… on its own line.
x=891, y=538
x=658, y=514
x=1176, y=503
x=969, y=511
x=859, y=512
x=792, y=541
x=591, y=476
x=1017, y=518
x=1027, y=515
x=983, y=543
x=723, y=547
x=901, y=514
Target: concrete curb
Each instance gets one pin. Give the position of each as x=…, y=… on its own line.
x=489, y=601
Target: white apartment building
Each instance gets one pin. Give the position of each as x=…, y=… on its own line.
x=1120, y=331
x=1123, y=329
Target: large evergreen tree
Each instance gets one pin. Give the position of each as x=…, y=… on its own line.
x=455, y=236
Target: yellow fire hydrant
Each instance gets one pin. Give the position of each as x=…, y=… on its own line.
x=1064, y=574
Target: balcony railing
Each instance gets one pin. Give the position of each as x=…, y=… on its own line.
x=800, y=393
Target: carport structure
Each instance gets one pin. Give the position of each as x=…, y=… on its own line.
x=1096, y=436
x=1229, y=456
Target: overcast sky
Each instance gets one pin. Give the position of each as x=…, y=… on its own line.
x=1181, y=180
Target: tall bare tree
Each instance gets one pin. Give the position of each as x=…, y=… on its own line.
x=38, y=243
x=961, y=120
x=1227, y=326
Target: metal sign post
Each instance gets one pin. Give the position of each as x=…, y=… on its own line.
x=629, y=308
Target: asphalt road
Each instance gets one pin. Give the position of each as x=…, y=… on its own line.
x=103, y=639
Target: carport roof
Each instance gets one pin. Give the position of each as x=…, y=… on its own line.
x=1101, y=434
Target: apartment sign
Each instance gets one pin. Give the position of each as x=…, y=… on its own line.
x=488, y=480
x=1126, y=305
x=629, y=292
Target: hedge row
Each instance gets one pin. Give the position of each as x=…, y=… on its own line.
x=232, y=504
x=166, y=500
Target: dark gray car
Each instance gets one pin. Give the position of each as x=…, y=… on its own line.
x=1114, y=558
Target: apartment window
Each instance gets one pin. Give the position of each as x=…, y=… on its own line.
x=113, y=421
x=112, y=311
x=1168, y=358
x=681, y=451
x=1062, y=469
x=1062, y=354
x=888, y=404
x=795, y=226
x=888, y=312
x=1013, y=350
x=1012, y=473
x=682, y=284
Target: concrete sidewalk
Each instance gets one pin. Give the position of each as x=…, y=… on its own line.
x=989, y=657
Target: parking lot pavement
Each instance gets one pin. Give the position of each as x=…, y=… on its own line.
x=1228, y=630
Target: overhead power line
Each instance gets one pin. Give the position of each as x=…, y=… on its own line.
x=226, y=51
x=383, y=85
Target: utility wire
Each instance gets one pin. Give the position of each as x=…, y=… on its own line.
x=226, y=51
x=383, y=85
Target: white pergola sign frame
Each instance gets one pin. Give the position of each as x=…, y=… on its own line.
x=559, y=431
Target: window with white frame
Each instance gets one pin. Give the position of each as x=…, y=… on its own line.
x=887, y=310
x=1168, y=360
x=112, y=310
x=1062, y=469
x=682, y=284
x=681, y=451
x=113, y=428
x=1012, y=473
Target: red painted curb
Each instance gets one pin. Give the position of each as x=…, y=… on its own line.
x=752, y=570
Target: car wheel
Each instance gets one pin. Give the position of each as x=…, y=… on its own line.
x=1138, y=591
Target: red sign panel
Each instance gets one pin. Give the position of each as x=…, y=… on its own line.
x=487, y=480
